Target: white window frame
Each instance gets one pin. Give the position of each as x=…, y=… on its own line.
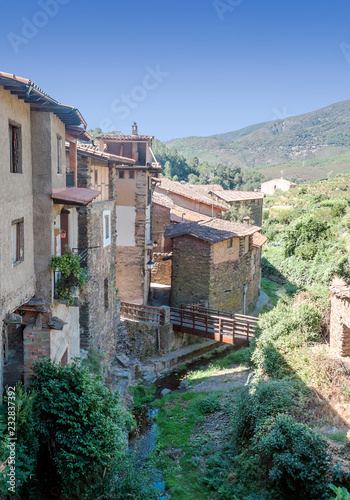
x=107, y=237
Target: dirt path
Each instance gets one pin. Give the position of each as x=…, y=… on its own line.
x=223, y=380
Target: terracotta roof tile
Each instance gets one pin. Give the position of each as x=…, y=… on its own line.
x=74, y=195
x=177, y=213
x=259, y=240
x=40, y=100
x=93, y=151
x=124, y=137
x=228, y=196
x=213, y=230
x=205, y=188
x=175, y=187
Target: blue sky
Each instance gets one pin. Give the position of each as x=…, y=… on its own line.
x=184, y=67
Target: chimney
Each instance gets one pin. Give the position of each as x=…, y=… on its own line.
x=134, y=129
x=246, y=220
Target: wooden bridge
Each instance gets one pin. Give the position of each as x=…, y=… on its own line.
x=214, y=324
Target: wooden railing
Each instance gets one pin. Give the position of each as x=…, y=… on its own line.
x=217, y=312
x=224, y=327
x=136, y=312
x=217, y=325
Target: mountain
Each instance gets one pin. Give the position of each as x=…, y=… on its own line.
x=306, y=146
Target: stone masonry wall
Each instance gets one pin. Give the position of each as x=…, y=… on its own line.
x=340, y=325
x=161, y=272
x=160, y=219
x=98, y=313
x=190, y=271
x=131, y=276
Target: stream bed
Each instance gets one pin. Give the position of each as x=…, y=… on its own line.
x=145, y=436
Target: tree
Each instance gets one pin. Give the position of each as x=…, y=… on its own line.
x=81, y=427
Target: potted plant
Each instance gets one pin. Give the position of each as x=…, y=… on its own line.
x=69, y=276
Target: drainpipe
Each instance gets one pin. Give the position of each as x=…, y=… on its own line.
x=245, y=288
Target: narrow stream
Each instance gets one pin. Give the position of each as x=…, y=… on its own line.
x=144, y=438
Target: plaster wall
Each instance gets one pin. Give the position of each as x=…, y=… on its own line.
x=17, y=283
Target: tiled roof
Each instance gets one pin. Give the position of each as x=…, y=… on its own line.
x=177, y=213
x=93, y=151
x=74, y=195
x=183, y=190
x=39, y=100
x=259, y=240
x=123, y=137
x=205, y=188
x=213, y=230
x=238, y=195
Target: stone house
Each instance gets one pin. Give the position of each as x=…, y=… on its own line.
x=35, y=225
x=250, y=199
x=269, y=187
x=188, y=197
x=340, y=318
x=134, y=188
x=217, y=262
x=165, y=212
x=99, y=317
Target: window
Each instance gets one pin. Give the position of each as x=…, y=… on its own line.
x=229, y=243
x=105, y=293
x=59, y=153
x=107, y=228
x=17, y=229
x=131, y=174
x=96, y=176
x=121, y=174
x=15, y=134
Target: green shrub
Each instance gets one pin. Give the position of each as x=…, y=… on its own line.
x=261, y=400
x=209, y=404
x=295, y=458
x=26, y=443
x=81, y=428
x=306, y=230
x=341, y=493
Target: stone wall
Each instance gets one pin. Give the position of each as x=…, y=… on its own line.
x=215, y=273
x=98, y=313
x=132, y=278
x=161, y=273
x=160, y=219
x=190, y=271
x=340, y=320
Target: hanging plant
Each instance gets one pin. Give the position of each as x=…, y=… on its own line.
x=69, y=276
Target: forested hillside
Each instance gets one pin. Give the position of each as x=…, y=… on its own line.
x=318, y=139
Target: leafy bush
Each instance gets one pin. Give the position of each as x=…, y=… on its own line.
x=81, y=427
x=210, y=404
x=295, y=458
x=282, y=330
x=261, y=400
x=341, y=493
x=26, y=444
x=306, y=230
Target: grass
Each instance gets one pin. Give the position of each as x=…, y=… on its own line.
x=270, y=288
x=143, y=394
x=239, y=357
x=339, y=436
x=178, y=416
